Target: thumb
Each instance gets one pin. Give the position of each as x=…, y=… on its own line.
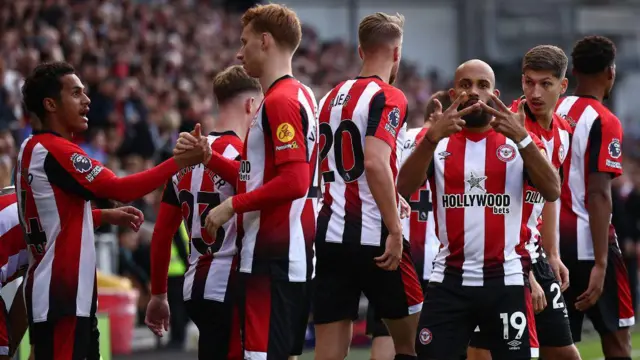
x=197, y=131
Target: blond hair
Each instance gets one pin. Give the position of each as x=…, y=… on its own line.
x=278, y=20
x=378, y=29
x=233, y=81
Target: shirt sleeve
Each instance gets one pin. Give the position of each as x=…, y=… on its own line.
x=71, y=169
x=286, y=124
x=386, y=116
x=169, y=195
x=605, y=146
x=167, y=223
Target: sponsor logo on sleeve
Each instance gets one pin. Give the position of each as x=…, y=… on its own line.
x=285, y=132
x=94, y=173
x=615, y=148
x=289, y=146
x=81, y=163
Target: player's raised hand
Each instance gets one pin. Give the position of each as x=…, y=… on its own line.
x=450, y=121
x=199, y=153
x=505, y=121
x=188, y=140
x=158, y=314
x=392, y=256
x=218, y=216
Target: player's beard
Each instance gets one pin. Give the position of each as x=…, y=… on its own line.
x=478, y=118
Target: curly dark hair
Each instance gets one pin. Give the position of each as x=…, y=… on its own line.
x=546, y=58
x=44, y=82
x=593, y=54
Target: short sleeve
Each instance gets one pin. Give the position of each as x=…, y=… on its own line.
x=286, y=123
x=605, y=147
x=71, y=169
x=386, y=117
x=169, y=195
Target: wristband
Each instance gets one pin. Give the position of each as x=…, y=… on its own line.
x=525, y=142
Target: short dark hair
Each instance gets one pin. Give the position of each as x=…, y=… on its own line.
x=441, y=96
x=44, y=82
x=546, y=58
x=231, y=82
x=593, y=54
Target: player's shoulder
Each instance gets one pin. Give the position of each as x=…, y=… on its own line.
x=55, y=143
x=7, y=200
x=226, y=143
x=562, y=123
x=392, y=94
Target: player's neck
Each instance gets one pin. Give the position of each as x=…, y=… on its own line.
x=375, y=67
x=478, y=130
x=57, y=128
x=545, y=121
x=229, y=120
x=589, y=88
x=277, y=67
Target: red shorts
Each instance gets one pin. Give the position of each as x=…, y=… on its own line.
x=4, y=329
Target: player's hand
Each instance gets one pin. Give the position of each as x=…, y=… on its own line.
x=593, y=292
x=538, y=299
x=186, y=153
x=123, y=216
x=392, y=253
x=405, y=209
x=450, y=121
x=560, y=271
x=218, y=216
x=158, y=314
x=505, y=121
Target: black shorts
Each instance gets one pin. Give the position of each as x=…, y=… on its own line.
x=552, y=324
x=274, y=314
x=614, y=309
x=375, y=326
x=219, y=327
x=344, y=272
x=452, y=312
x=68, y=337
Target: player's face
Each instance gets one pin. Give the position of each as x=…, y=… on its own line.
x=478, y=84
x=252, y=52
x=542, y=90
x=74, y=104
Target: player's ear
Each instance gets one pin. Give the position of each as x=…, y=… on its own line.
x=248, y=104
x=452, y=95
x=396, y=54
x=360, y=53
x=265, y=40
x=496, y=92
x=564, y=83
x=49, y=104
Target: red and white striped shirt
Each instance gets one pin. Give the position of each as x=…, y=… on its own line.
x=14, y=256
x=479, y=187
x=419, y=228
x=194, y=191
x=556, y=142
x=284, y=130
x=56, y=180
x=348, y=113
x=596, y=146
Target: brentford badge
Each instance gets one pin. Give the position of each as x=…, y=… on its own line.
x=506, y=152
x=425, y=336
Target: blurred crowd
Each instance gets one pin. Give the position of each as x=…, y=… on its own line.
x=148, y=70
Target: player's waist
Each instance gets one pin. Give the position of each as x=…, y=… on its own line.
x=486, y=277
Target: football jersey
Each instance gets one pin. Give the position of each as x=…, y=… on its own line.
x=348, y=113
x=479, y=186
x=197, y=190
x=279, y=240
x=556, y=142
x=596, y=146
x=14, y=256
x=419, y=227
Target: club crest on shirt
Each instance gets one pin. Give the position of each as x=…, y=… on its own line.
x=506, y=152
x=561, y=153
x=285, y=132
x=425, y=336
x=615, y=149
x=81, y=163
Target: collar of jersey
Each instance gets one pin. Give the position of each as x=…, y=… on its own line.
x=277, y=81
x=42, y=132
x=222, y=133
